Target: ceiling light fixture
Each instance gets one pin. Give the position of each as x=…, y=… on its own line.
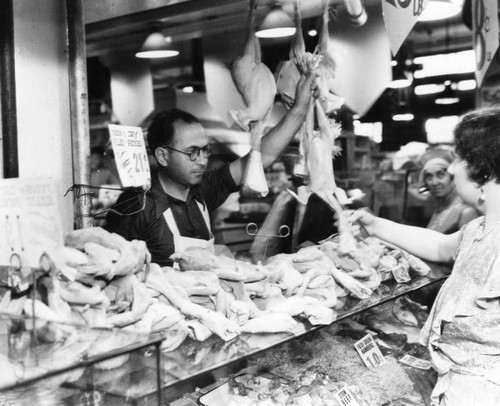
x=403, y=113
x=156, y=46
x=431, y=88
x=448, y=96
x=440, y=9
x=276, y=24
x=400, y=78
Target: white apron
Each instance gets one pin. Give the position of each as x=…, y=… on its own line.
x=180, y=242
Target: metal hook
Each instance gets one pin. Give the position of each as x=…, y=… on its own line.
x=253, y=230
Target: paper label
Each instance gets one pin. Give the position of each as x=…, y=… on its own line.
x=130, y=155
x=369, y=352
x=29, y=220
x=414, y=362
x=400, y=274
x=484, y=34
x=345, y=397
x=399, y=18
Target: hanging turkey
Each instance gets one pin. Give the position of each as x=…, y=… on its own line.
x=257, y=86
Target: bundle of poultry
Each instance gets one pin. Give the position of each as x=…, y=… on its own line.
x=374, y=261
x=257, y=86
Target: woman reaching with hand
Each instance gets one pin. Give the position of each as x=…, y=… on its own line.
x=463, y=328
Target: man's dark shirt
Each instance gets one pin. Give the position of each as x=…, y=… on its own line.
x=149, y=224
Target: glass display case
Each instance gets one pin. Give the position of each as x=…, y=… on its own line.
x=214, y=358
x=50, y=363
x=53, y=363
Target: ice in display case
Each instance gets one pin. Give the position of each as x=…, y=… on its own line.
x=49, y=363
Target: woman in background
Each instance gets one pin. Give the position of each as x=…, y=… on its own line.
x=463, y=328
x=451, y=213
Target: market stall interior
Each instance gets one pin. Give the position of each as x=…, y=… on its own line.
x=274, y=319
x=436, y=55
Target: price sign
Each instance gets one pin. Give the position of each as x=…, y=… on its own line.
x=484, y=34
x=369, y=352
x=414, y=362
x=399, y=18
x=346, y=398
x=130, y=155
x=29, y=220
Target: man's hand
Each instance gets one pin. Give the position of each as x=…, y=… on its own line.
x=307, y=87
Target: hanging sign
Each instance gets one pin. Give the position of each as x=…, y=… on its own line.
x=29, y=220
x=130, y=155
x=484, y=35
x=399, y=17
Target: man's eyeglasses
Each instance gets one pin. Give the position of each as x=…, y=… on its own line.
x=194, y=152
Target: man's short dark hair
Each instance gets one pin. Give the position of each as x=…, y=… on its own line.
x=162, y=131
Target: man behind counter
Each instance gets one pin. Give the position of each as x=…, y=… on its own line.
x=174, y=214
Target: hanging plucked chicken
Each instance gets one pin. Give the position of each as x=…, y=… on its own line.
x=257, y=86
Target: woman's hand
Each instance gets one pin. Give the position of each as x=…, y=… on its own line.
x=362, y=222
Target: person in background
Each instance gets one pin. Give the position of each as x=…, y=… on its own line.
x=100, y=174
x=463, y=328
x=451, y=213
x=174, y=213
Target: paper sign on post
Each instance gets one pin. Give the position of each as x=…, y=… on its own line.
x=130, y=155
x=29, y=220
x=484, y=34
x=399, y=18
x=368, y=349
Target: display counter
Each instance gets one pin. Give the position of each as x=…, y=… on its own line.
x=119, y=367
x=42, y=361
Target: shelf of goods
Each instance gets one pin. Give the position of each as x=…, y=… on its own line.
x=63, y=364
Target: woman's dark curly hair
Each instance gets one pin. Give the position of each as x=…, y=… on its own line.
x=477, y=141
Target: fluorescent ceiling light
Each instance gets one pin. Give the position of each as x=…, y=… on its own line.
x=468, y=84
x=448, y=96
x=188, y=89
x=440, y=130
x=439, y=10
x=312, y=33
x=446, y=64
x=403, y=117
x=156, y=46
x=431, y=88
x=400, y=78
x=276, y=24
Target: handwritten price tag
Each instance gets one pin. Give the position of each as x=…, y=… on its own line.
x=484, y=34
x=130, y=155
x=399, y=18
x=369, y=352
x=414, y=362
x=29, y=220
x=346, y=398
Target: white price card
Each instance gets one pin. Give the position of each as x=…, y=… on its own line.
x=346, y=398
x=369, y=352
x=484, y=34
x=29, y=220
x=130, y=155
x=414, y=362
